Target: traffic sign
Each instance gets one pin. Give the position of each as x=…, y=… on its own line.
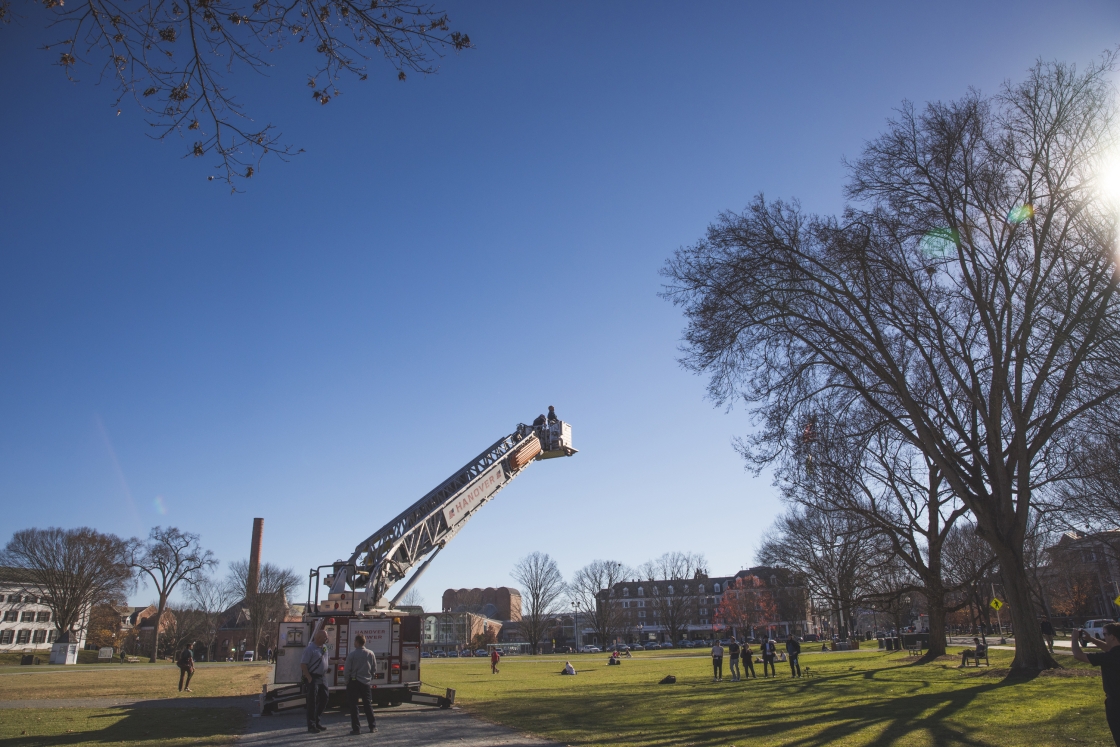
x=1116, y=601
x=995, y=604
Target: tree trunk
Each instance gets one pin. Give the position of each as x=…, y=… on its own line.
x=1030, y=649
x=155, y=633
x=935, y=601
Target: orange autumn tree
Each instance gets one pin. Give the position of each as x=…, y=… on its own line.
x=746, y=604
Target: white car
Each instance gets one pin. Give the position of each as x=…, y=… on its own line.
x=590, y=650
x=1095, y=628
x=249, y=656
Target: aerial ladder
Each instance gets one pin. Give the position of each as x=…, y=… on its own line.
x=358, y=601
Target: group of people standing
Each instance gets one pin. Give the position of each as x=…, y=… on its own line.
x=769, y=652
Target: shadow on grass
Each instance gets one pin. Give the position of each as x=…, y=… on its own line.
x=137, y=723
x=844, y=713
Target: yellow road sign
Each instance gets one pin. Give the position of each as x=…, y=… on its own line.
x=995, y=604
x=1116, y=601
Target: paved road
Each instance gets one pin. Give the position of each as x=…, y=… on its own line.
x=250, y=703
x=403, y=726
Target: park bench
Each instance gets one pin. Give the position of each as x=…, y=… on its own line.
x=914, y=649
x=981, y=653
x=133, y=659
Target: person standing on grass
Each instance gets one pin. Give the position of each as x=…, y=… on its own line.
x=748, y=660
x=359, y=668
x=733, y=652
x=717, y=662
x=1109, y=662
x=768, y=652
x=495, y=657
x=186, y=667
x=793, y=648
x=314, y=664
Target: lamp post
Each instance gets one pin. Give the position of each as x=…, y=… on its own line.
x=575, y=626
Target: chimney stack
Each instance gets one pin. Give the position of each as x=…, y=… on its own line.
x=254, y=580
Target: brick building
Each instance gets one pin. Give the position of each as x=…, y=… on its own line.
x=697, y=600
x=501, y=603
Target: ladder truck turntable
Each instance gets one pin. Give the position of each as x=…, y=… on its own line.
x=357, y=602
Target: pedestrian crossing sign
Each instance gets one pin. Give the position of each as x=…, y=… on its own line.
x=995, y=604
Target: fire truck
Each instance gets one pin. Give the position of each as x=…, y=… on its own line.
x=358, y=600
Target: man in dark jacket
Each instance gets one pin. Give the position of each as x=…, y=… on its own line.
x=793, y=648
x=733, y=652
x=186, y=667
x=359, y=669
x=769, y=651
x=1109, y=662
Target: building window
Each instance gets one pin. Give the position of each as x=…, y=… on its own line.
x=40, y=636
x=11, y=616
x=700, y=589
x=625, y=605
x=773, y=580
x=28, y=617
x=52, y=634
x=626, y=591
x=5, y=637
x=641, y=592
x=14, y=598
x=641, y=604
x=43, y=617
x=641, y=614
x=715, y=588
x=23, y=636
x=670, y=590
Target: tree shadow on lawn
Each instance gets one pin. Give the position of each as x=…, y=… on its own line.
x=883, y=721
x=145, y=721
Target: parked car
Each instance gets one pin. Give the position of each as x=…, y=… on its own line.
x=666, y=644
x=562, y=650
x=466, y=652
x=653, y=646
x=621, y=648
x=590, y=650
x=452, y=654
x=440, y=654
x=811, y=638
x=425, y=654
x=636, y=647
x=1095, y=628
x=480, y=652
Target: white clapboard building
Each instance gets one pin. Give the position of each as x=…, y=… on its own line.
x=26, y=620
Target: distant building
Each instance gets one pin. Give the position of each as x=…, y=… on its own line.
x=458, y=631
x=26, y=620
x=501, y=603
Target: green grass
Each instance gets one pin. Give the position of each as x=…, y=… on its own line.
x=131, y=681
x=121, y=726
x=857, y=698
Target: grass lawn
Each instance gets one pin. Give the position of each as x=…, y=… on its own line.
x=121, y=726
x=210, y=680
x=857, y=698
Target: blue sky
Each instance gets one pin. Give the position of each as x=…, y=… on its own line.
x=449, y=256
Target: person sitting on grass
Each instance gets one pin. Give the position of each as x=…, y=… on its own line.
x=568, y=668
x=614, y=660
x=974, y=653
x=1109, y=662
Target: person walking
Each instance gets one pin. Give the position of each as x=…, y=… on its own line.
x=769, y=651
x=1109, y=662
x=495, y=657
x=359, y=668
x=268, y=656
x=733, y=652
x=314, y=665
x=186, y=667
x=1048, y=633
x=748, y=660
x=717, y=662
x=793, y=648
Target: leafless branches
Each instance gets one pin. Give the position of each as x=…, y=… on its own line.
x=75, y=568
x=542, y=589
x=175, y=58
x=592, y=590
x=967, y=300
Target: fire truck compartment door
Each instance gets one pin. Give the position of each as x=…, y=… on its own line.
x=293, y=640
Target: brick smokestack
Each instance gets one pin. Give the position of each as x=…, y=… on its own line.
x=254, y=580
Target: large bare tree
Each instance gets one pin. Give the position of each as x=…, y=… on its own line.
x=592, y=591
x=542, y=589
x=673, y=580
x=168, y=558
x=177, y=59
x=75, y=568
x=266, y=604
x=967, y=297
x=212, y=598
